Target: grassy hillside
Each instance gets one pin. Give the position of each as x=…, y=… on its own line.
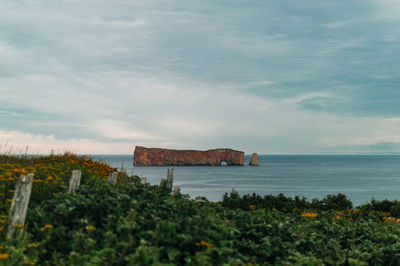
x=133, y=224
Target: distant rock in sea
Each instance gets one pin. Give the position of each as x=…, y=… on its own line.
x=162, y=157
x=254, y=160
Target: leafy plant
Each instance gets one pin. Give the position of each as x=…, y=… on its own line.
x=133, y=224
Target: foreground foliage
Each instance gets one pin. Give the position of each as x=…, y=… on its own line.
x=133, y=224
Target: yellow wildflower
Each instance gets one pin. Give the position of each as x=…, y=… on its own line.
x=23, y=171
x=252, y=207
x=90, y=227
x=251, y=261
x=46, y=226
x=350, y=212
x=33, y=245
x=1, y=229
x=3, y=221
x=391, y=220
x=29, y=262
x=309, y=214
x=204, y=243
x=1, y=247
x=49, y=178
x=18, y=225
x=8, y=200
x=4, y=256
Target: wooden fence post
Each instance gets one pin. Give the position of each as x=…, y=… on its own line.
x=74, y=181
x=123, y=170
x=112, y=178
x=19, y=205
x=170, y=178
x=175, y=191
x=163, y=182
x=168, y=182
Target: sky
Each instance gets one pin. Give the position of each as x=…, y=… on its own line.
x=265, y=76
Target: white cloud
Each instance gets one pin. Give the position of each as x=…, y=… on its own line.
x=342, y=23
x=112, y=129
x=309, y=96
x=256, y=46
x=386, y=10
x=16, y=143
x=101, y=76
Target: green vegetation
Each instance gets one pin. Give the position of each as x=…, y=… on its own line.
x=133, y=224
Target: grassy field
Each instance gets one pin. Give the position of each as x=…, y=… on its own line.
x=133, y=224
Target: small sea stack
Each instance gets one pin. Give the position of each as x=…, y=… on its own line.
x=254, y=160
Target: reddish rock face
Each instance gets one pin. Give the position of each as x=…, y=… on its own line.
x=155, y=156
x=254, y=160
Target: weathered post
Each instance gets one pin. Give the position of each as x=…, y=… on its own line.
x=143, y=180
x=112, y=178
x=74, y=181
x=163, y=182
x=170, y=178
x=19, y=205
x=123, y=169
x=175, y=191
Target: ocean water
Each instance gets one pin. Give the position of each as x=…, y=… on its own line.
x=360, y=177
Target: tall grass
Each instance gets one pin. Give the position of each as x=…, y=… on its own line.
x=8, y=154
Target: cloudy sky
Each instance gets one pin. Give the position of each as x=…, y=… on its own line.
x=266, y=76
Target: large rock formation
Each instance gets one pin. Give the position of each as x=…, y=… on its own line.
x=155, y=156
x=254, y=160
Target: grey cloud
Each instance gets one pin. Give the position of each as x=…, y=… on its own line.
x=139, y=63
x=375, y=148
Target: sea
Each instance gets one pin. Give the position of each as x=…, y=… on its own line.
x=360, y=177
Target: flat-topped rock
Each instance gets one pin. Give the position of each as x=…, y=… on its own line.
x=162, y=157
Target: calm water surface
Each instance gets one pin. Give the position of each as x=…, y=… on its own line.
x=360, y=177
